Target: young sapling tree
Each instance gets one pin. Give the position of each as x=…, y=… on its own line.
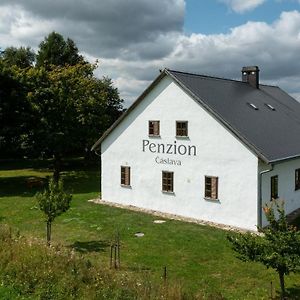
x=278, y=247
x=53, y=201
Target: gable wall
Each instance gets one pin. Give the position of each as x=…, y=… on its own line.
x=286, y=185
x=219, y=153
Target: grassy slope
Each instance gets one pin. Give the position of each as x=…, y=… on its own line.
x=198, y=256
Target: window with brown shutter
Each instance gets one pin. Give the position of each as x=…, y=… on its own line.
x=125, y=175
x=153, y=128
x=297, y=179
x=274, y=187
x=211, y=187
x=167, y=181
x=181, y=128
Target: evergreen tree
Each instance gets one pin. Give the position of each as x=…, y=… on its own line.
x=55, y=50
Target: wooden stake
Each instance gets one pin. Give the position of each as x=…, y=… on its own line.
x=165, y=274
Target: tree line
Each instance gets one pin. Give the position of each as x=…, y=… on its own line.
x=51, y=103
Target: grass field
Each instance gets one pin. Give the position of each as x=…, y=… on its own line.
x=199, y=257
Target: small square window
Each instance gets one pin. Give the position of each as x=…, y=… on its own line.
x=297, y=179
x=153, y=128
x=274, y=187
x=167, y=181
x=211, y=187
x=125, y=176
x=181, y=128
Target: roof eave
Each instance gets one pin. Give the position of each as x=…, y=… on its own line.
x=283, y=159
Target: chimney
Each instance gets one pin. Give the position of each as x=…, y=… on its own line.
x=251, y=75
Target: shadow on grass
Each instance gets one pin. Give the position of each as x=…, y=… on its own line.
x=74, y=182
x=18, y=186
x=293, y=292
x=20, y=164
x=90, y=246
x=80, y=182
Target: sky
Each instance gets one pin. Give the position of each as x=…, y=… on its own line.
x=134, y=39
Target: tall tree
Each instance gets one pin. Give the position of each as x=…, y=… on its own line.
x=56, y=107
x=22, y=57
x=15, y=111
x=55, y=50
x=278, y=247
x=71, y=108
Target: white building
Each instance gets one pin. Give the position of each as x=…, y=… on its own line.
x=203, y=147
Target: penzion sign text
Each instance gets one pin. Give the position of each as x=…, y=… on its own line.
x=174, y=149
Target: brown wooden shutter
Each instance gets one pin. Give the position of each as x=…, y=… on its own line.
x=156, y=128
x=214, y=187
x=127, y=175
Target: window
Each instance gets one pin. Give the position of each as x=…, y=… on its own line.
x=181, y=128
x=154, y=128
x=274, y=187
x=167, y=181
x=125, y=176
x=211, y=187
x=297, y=179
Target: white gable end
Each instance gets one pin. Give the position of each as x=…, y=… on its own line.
x=209, y=150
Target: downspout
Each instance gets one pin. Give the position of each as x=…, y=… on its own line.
x=99, y=171
x=259, y=217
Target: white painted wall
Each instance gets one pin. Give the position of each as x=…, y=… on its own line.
x=219, y=154
x=286, y=185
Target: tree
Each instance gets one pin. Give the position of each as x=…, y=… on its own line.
x=57, y=107
x=53, y=202
x=278, y=247
x=54, y=50
x=22, y=57
x=15, y=121
x=71, y=109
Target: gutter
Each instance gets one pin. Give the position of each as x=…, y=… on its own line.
x=259, y=204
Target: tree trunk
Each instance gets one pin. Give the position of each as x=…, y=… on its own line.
x=48, y=232
x=281, y=278
x=57, y=167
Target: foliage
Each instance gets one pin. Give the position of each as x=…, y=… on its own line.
x=15, y=112
x=22, y=57
x=54, y=50
x=71, y=109
x=55, y=108
x=53, y=202
x=278, y=247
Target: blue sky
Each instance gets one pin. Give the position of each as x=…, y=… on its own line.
x=214, y=16
x=133, y=39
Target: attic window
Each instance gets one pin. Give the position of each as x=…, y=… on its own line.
x=253, y=106
x=270, y=106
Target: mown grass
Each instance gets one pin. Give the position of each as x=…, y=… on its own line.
x=199, y=257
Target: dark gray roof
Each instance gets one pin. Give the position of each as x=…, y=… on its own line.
x=274, y=135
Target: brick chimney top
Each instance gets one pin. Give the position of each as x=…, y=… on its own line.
x=251, y=75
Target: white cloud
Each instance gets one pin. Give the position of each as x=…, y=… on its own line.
x=133, y=56
x=242, y=6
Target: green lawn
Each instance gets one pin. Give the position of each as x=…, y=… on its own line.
x=199, y=257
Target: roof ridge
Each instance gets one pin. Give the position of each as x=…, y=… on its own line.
x=216, y=77
x=206, y=76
